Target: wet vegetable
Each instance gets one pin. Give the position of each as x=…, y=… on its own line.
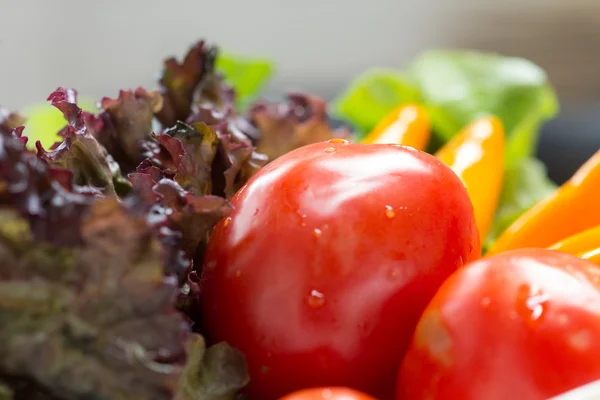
x=476, y=155
x=569, y=210
x=407, y=125
x=331, y=253
x=190, y=242
x=335, y=393
x=103, y=236
x=585, y=244
x=520, y=324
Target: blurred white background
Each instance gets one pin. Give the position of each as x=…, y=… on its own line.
x=318, y=45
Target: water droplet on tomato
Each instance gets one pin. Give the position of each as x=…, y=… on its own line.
x=389, y=212
x=255, y=212
x=536, y=305
x=317, y=233
x=238, y=273
x=302, y=218
x=338, y=140
x=329, y=150
x=227, y=222
x=315, y=299
x=531, y=302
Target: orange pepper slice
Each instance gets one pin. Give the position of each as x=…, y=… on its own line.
x=584, y=244
x=571, y=209
x=580, y=242
x=407, y=125
x=476, y=155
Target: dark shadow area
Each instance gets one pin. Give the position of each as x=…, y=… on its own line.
x=569, y=140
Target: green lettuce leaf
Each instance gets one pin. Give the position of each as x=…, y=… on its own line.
x=371, y=96
x=248, y=76
x=525, y=184
x=456, y=87
x=460, y=86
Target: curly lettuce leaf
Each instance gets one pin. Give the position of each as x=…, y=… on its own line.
x=460, y=86
x=10, y=121
x=236, y=158
x=525, y=184
x=182, y=219
x=45, y=121
x=191, y=151
x=247, y=75
x=80, y=278
x=190, y=215
x=95, y=317
x=298, y=121
x=125, y=123
x=373, y=95
x=95, y=320
x=43, y=196
x=192, y=83
x=79, y=151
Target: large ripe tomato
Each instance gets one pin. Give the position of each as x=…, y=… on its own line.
x=520, y=325
x=328, y=393
x=320, y=274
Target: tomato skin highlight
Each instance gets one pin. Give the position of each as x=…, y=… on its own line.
x=332, y=252
x=329, y=393
x=522, y=324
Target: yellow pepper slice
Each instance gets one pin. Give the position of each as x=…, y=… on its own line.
x=407, y=125
x=571, y=209
x=476, y=155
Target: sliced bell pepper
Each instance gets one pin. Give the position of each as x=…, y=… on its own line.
x=585, y=244
x=407, y=125
x=476, y=155
x=571, y=209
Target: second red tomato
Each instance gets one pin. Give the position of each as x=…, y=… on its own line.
x=518, y=325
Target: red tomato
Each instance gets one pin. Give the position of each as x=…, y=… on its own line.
x=330, y=393
x=333, y=251
x=519, y=325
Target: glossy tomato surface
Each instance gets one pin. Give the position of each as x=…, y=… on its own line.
x=519, y=325
x=328, y=393
x=333, y=251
